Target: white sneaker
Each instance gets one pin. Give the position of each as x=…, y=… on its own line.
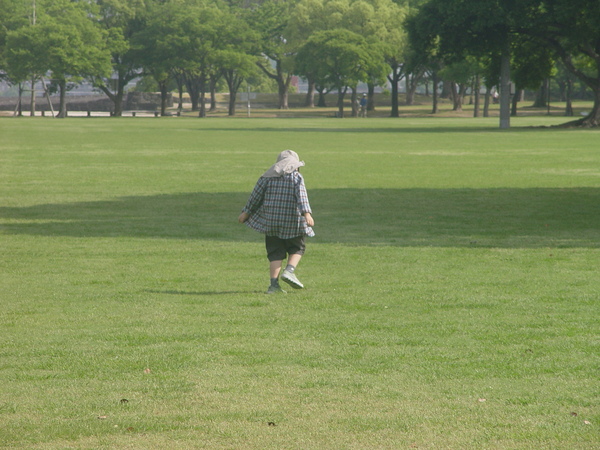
x=291, y=279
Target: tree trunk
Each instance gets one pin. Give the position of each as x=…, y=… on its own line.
x=19, y=108
x=354, y=101
x=411, y=88
x=310, y=95
x=435, y=107
x=115, y=90
x=476, y=89
x=164, y=92
x=446, y=89
x=119, y=101
x=116, y=98
x=394, y=80
x=193, y=89
x=233, y=83
x=202, y=101
x=562, y=88
x=341, y=94
x=593, y=118
x=232, y=99
x=283, y=82
x=486, y=102
x=514, y=105
x=213, y=93
x=282, y=86
x=542, y=95
x=456, y=97
x=32, y=105
x=371, y=97
x=568, y=98
x=62, y=109
x=505, y=90
x=180, y=80
x=322, y=103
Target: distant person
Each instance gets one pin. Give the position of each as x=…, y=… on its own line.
x=278, y=207
x=363, y=105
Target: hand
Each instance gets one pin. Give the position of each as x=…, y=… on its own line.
x=243, y=217
x=309, y=219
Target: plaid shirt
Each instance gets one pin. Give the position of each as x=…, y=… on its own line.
x=276, y=207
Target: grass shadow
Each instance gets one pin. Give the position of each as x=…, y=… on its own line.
x=199, y=293
x=510, y=218
x=367, y=130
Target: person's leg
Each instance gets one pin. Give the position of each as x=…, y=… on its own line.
x=275, y=268
x=295, y=248
x=275, y=253
x=294, y=259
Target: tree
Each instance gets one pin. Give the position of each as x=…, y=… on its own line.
x=378, y=21
x=309, y=17
x=121, y=19
x=14, y=14
x=381, y=23
x=395, y=47
x=236, y=60
x=461, y=76
x=531, y=67
x=150, y=49
x=571, y=30
x=338, y=58
x=453, y=30
x=185, y=38
x=271, y=19
x=63, y=41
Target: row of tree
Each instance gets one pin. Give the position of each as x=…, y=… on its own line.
x=334, y=44
x=529, y=36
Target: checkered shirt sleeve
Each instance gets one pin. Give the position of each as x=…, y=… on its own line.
x=276, y=207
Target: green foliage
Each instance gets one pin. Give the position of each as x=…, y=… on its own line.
x=63, y=41
x=461, y=72
x=14, y=14
x=530, y=65
x=536, y=30
x=337, y=58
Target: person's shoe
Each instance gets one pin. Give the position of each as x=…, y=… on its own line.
x=290, y=278
x=275, y=290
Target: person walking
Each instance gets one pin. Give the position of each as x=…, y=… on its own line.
x=363, y=105
x=278, y=207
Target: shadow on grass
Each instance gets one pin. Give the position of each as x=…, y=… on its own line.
x=374, y=129
x=509, y=218
x=201, y=293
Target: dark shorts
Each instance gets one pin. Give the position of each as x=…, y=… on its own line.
x=278, y=249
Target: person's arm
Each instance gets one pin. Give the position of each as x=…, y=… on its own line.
x=303, y=203
x=309, y=219
x=255, y=201
x=243, y=217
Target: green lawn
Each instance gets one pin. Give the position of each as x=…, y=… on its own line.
x=451, y=301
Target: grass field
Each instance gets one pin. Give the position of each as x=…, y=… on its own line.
x=451, y=301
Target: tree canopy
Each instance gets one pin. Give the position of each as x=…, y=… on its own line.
x=60, y=40
x=332, y=43
x=566, y=30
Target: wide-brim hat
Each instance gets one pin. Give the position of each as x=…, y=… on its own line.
x=287, y=162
